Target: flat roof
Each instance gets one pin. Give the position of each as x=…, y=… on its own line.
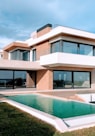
x=15, y=45
x=54, y=32
x=61, y=30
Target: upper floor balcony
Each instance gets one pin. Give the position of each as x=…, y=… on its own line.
x=67, y=59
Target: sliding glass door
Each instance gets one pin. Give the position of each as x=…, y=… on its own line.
x=71, y=79
x=81, y=79
x=62, y=79
x=19, y=79
x=6, y=79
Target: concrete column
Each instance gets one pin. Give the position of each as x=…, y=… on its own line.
x=44, y=80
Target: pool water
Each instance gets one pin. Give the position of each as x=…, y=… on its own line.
x=55, y=107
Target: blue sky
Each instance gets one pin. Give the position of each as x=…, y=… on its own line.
x=18, y=18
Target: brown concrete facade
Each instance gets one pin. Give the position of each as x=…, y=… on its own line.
x=44, y=80
x=42, y=49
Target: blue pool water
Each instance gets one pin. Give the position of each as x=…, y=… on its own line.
x=55, y=107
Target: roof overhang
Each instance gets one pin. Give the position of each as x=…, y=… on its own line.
x=60, y=30
x=14, y=45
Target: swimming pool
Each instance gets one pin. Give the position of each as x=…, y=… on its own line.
x=60, y=108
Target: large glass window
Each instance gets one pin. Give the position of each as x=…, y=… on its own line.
x=6, y=79
x=62, y=79
x=20, y=55
x=20, y=79
x=70, y=47
x=82, y=79
x=25, y=55
x=86, y=49
x=71, y=79
x=11, y=79
x=55, y=47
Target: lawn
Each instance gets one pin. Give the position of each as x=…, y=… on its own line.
x=14, y=122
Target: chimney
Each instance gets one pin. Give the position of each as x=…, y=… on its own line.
x=43, y=30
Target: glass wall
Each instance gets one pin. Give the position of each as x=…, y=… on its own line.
x=26, y=55
x=62, y=79
x=11, y=79
x=72, y=47
x=81, y=79
x=71, y=79
x=20, y=79
x=86, y=50
x=20, y=55
x=6, y=79
x=55, y=47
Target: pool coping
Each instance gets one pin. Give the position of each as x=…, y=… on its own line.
x=60, y=124
x=54, y=121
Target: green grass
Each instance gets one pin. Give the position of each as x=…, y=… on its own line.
x=14, y=122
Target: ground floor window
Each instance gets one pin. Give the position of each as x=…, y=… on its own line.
x=11, y=79
x=81, y=79
x=20, y=78
x=71, y=79
x=6, y=78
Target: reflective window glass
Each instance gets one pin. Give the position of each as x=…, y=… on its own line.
x=6, y=79
x=69, y=47
x=62, y=79
x=86, y=50
x=81, y=79
x=20, y=78
x=55, y=47
x=71, y=79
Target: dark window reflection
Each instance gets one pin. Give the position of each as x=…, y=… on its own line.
x=12, y=79
x=6, y=79
x=69, y=79
x=62, y=79
x=20, y=79
x=20, y=55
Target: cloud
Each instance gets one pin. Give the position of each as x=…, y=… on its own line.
x=18, y=18
x=5, y=41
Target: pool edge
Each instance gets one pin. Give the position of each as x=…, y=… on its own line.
x=58, y=123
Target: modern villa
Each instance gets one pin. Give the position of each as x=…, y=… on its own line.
x=53, y=58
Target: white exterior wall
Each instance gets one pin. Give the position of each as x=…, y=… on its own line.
x=67, y=59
